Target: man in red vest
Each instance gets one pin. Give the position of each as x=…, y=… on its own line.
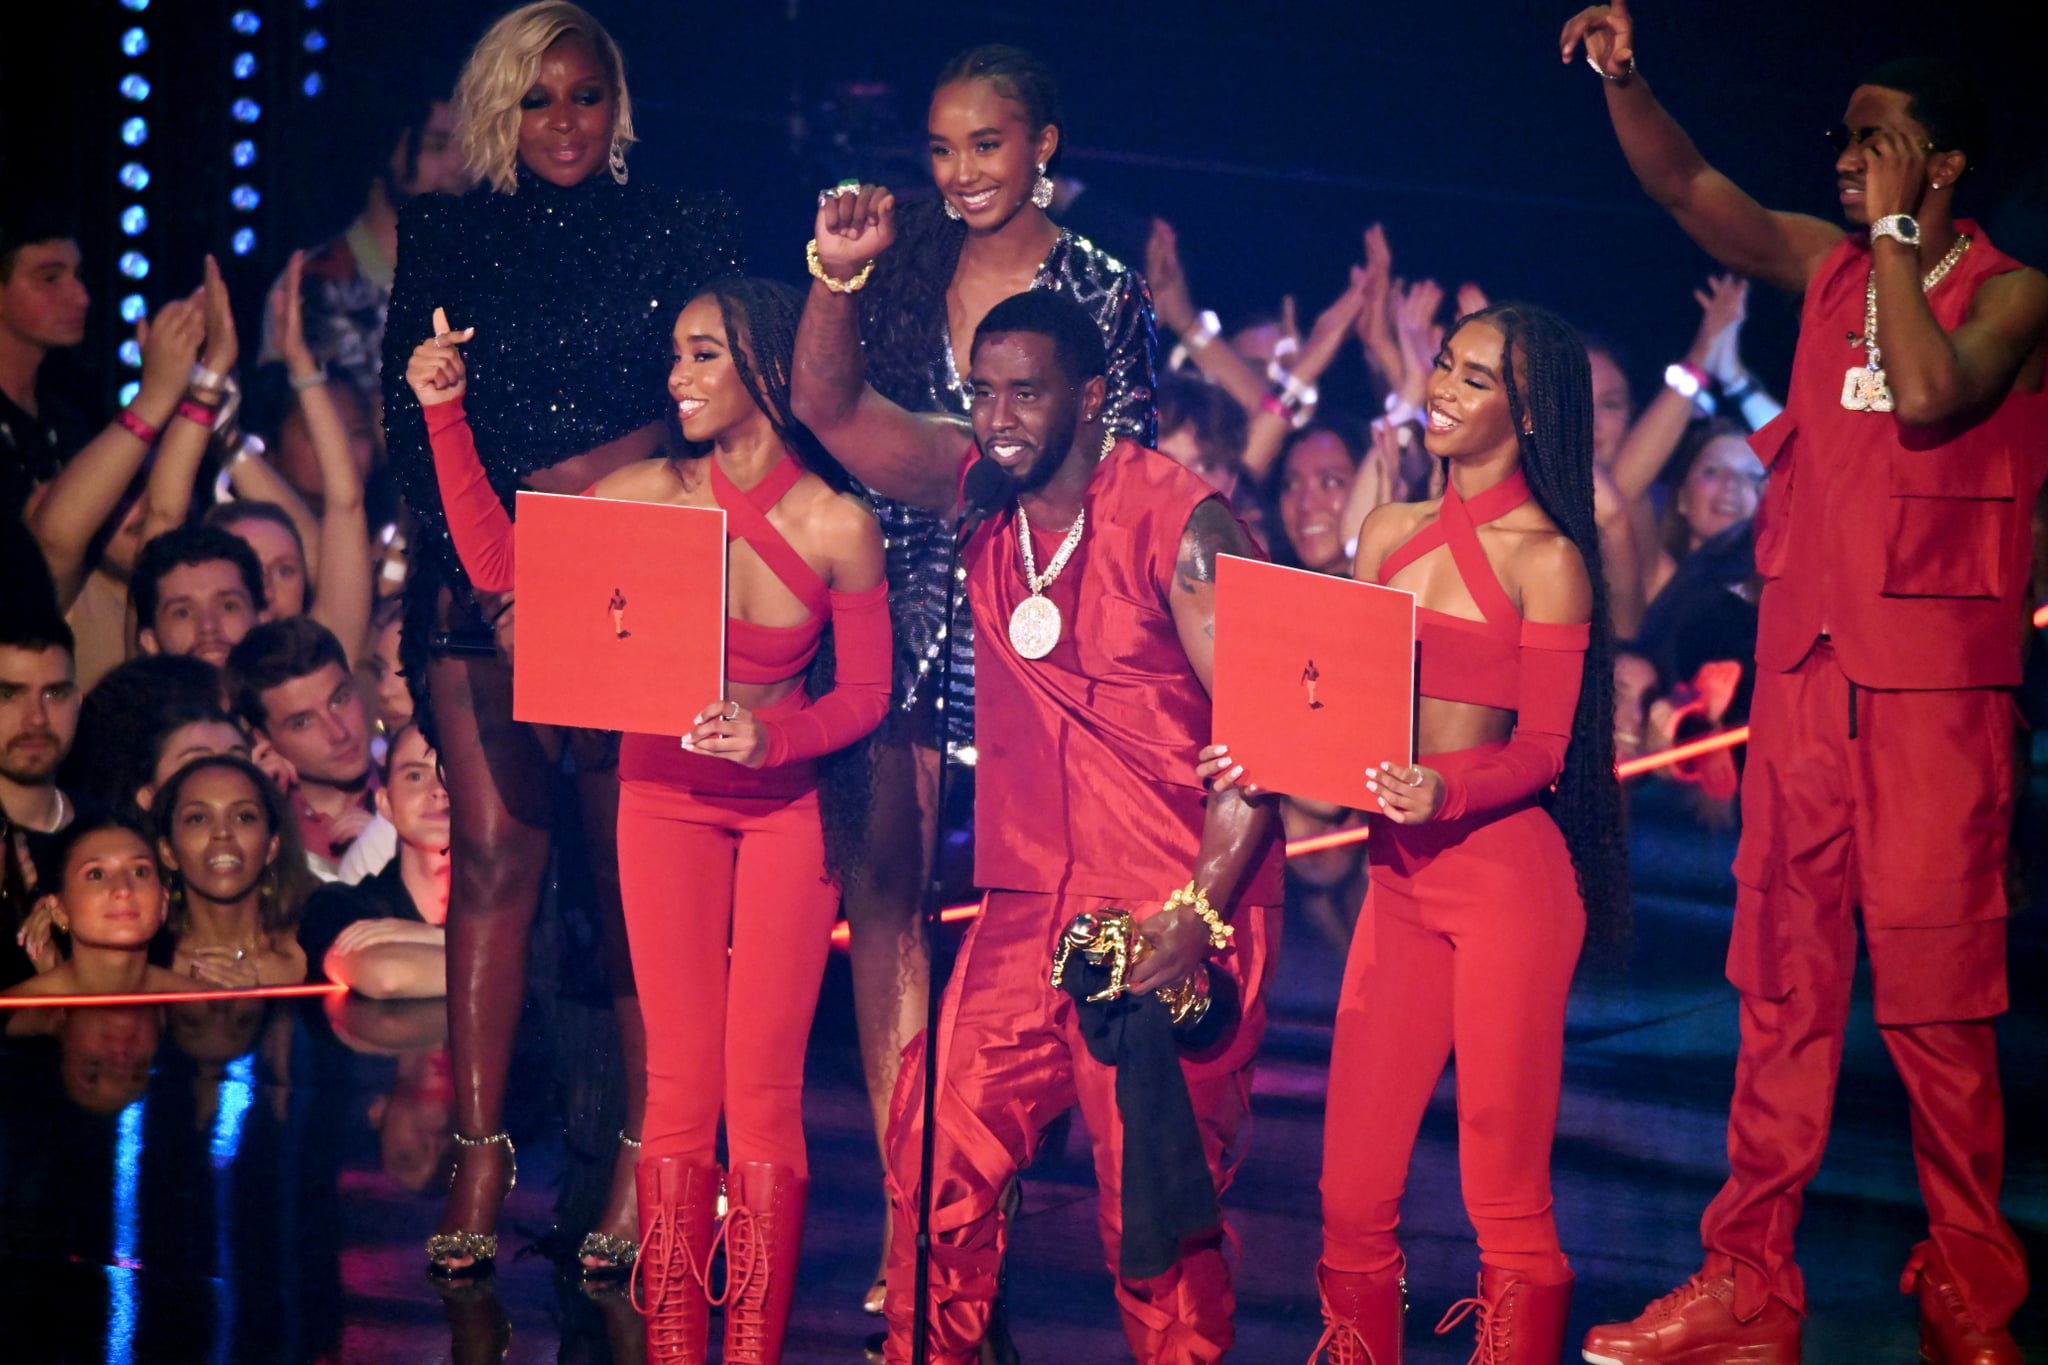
x=1093, y=598
x=1893, y=540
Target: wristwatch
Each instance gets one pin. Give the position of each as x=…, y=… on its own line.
x=1900, y=227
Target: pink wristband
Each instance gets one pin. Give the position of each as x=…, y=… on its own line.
x=136, y=427
x=192, y=410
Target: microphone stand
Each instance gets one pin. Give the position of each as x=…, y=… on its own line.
x=969, y=522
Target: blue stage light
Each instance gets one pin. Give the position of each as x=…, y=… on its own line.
x=134, y=265
x=314, y=41
x=135, y=132
x=244, y=241
x=313, y=85
x=135, y=87
x=134, y=220
x=245, y=153
x=137, y=5
x=246, y=110
x=245, y=198
x=245, y=65
x=131, y=354
x=134, y=309
x=135, y=176
x=134, y=42
x=245, y=22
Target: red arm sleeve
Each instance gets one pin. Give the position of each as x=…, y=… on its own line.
x=859, y=697
x=1553, y=662
x=477, y=521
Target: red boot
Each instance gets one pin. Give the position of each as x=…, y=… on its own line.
x=1948, y=1335
x=764, y=1234
x=1520, y=1322
x=1362, y=1316
x=678, y=1214
x=1695, y=1324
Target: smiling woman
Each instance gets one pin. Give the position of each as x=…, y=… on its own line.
x=545, y=89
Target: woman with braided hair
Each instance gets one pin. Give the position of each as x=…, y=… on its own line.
x=1489, y=853
x=727, y=869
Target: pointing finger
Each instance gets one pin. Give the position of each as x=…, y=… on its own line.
x=440, y=322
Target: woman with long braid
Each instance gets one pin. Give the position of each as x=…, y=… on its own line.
x=1488, y=853
x=727, y=870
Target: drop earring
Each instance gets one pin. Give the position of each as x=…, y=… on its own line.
x=618, y=160
x=951, y=211
x=1041, y=189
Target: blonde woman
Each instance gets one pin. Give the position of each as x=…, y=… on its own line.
x=571, y=274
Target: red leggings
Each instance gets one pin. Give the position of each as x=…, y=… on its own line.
x=702, y=873
x=1011, y=1060
x=1467, y=942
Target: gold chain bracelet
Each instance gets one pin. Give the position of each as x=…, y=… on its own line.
x=854, y=285
x=1191, y=897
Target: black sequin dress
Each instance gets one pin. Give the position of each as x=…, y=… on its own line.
x=917, y=543
x=573, y=293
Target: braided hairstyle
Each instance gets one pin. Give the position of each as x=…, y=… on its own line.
x=1553, y=420
x=903, y=309
x=760, y=332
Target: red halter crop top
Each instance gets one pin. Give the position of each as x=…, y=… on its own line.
x=482, y=531
x=1532, y=668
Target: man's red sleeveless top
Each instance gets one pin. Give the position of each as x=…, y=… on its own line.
x=1086, y=778
x=1908, y=545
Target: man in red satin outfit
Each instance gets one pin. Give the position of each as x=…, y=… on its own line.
x=1893, y=542
x=1093, y=598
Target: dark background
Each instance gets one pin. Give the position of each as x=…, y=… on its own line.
x=1270, y=135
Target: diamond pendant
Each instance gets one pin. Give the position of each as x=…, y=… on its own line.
x=1034, y=627
x=1865, y=390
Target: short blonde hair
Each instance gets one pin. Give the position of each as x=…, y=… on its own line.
x=502, y=69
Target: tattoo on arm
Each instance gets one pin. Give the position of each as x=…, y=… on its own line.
x=1211, y=531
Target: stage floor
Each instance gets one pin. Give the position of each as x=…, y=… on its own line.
x=226, y=1217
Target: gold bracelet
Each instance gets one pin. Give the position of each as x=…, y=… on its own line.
x=1191, y=897
x=854, y=285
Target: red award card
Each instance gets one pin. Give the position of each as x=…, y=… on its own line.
x=1315, y=678
x=621, y=615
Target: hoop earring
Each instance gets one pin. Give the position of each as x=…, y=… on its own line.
x=951, y=211
x=618, y=160
x=1041, y=189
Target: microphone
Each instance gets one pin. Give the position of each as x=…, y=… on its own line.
x=987, y=487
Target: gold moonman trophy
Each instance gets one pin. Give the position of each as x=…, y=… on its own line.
x=1110, y=938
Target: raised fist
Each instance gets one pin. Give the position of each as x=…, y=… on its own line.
x=854, y=227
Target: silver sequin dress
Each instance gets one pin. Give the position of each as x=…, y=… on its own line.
x=918, y=545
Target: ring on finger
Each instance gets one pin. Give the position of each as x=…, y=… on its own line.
x=733, y=714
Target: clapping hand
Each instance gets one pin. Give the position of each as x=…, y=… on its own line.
x=1716, y=348
x=1171, y=301
x=287, y=320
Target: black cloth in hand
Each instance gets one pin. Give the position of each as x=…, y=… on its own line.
x=1168, y=1193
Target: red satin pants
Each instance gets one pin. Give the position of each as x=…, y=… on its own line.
x=1011, y=1060
x=701, y=874
x=1906, y=821
x=1468, y=939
